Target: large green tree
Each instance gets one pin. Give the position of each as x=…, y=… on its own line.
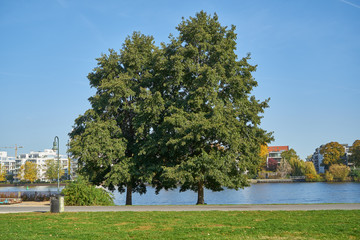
x=332, y=153
x=179, y=114
x=355, y=153
x=108, y=138
x=211, y=126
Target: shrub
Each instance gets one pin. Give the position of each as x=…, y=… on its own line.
x=82, y=193
x=355, y=175
x=339, y=171
x=312, y=177
x=329, y=177
x=272, y=164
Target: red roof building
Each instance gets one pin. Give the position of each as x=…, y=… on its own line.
x=278, y=148
x=274, y=152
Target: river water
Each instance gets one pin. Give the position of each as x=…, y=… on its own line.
x=260, y=193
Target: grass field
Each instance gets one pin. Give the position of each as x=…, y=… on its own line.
x=183, y=225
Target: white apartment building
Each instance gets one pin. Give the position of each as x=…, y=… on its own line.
x=12, y=164
x=40, y=159
x=7, y=162
x=317, y=158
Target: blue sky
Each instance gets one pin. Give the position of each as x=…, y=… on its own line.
x=307, y=52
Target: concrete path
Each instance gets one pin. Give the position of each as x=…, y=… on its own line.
x=45, y=207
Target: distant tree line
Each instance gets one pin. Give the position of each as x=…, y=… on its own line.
x=334, y=160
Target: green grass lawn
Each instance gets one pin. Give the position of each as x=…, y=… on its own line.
x=183, y=225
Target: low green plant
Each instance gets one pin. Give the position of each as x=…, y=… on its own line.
x=82, y=193
x=355, y=175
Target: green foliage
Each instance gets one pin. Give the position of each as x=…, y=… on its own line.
x=297, y=166
x=109, y=138
x=333, y=153
x=82, y=193
x=210, y=105
x=52, y=170
x=310, y=173
x=355, y=175
x=339, y=172
x=179, y=114
x=355, y=153
x=310, y=168
x=287, y=155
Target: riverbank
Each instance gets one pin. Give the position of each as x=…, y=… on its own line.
x=252, y=181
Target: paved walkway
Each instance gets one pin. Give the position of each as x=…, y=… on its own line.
x=45, y=207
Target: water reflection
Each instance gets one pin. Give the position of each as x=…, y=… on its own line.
x=265, y=193
x=30, y=188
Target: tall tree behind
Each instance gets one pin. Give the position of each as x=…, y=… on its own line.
x=51, y=171
x=333, y=153
x=287, y=155
x=297, y=165
x=355, y=153
x=123, y=83
x=211, y=128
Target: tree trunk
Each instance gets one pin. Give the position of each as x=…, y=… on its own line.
x=200, y=193
x=128, y=194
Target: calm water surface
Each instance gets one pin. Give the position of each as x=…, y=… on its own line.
x=261, y=193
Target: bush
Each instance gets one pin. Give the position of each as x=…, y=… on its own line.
x=329, y=177
x=272, y=165
x=355, y=175
x=312, y=177
x=339, y=171
x=82, y=193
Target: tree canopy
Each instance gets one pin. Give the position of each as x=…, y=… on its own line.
x=291, y=153
x=52, y=169
x=179, y=114
x=355, y=153
x=30, y=171
x=3, y=173
x=296, y=164
x=333, y=153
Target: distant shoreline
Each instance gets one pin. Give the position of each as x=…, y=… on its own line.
x=276, y=180
x=30, y=184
